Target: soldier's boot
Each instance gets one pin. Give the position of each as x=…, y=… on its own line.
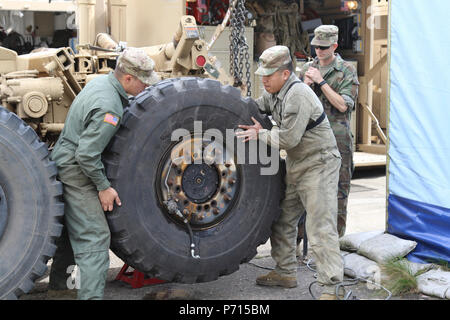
x=169, y=294
x=331, y=296
x=327, y=296
x=274, y=279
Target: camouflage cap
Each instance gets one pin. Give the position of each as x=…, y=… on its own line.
x=136, y=62
x=325, y=35
x=272, y=59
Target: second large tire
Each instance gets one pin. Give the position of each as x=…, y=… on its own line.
x=144, y=235
x=31, y=206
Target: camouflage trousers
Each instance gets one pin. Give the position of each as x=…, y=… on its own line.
x=345, y=146
x=311, y=186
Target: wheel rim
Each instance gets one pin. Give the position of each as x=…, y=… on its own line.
x=201, y=176
x=3, y=211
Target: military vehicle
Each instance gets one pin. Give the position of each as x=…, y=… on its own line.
x=179, y=221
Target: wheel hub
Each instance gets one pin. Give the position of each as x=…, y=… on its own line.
x=202, y=178
x=199, y=182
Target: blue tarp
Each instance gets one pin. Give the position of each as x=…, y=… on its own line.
x=426, y=224
x=419, y=126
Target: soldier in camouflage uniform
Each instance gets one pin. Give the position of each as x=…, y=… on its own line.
x=335, y=82
x=312, y=170
x=92, y=121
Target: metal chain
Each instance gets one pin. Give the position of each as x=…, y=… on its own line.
x=233, y=43
x=239, y=47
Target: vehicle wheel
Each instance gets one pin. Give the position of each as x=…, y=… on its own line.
x=30, y=206
x=230, y=206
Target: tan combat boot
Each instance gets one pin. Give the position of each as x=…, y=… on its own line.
x=329, y=296
x=274, y=279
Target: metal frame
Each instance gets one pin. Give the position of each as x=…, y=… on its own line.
x=371, y=10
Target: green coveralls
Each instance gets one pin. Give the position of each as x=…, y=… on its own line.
x=342, y=77
x=312, y=169
x=93, y=119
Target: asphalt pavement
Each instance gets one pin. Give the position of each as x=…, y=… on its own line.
x=366, y=212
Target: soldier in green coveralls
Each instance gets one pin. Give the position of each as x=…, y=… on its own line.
x=335, y=82
x=92, y=121
x=312, y=170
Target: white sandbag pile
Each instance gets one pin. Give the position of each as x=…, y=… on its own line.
x=369, y=250
x=377, y=245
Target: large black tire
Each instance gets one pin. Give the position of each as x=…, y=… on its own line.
x=143, y=234
x=30, y=206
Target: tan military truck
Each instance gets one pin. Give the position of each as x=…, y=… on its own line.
x=181, y=221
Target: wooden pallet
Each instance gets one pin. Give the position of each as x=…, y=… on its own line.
x=364, y=159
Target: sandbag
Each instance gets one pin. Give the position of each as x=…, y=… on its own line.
x=351, y=242
x=435, y=283
x=418, y=267
x=356, y=266
x=344, y=253
x=385, y=247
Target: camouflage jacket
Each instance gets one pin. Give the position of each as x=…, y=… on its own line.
x=342, y=77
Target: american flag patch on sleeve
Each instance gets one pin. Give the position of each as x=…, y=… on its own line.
x=111, y=119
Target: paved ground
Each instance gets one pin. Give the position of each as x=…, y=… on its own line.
x=366, y=208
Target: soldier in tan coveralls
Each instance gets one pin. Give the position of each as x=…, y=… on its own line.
x=335, y=82
x=312, y=166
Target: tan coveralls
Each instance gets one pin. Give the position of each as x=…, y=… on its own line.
x=312, y=172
